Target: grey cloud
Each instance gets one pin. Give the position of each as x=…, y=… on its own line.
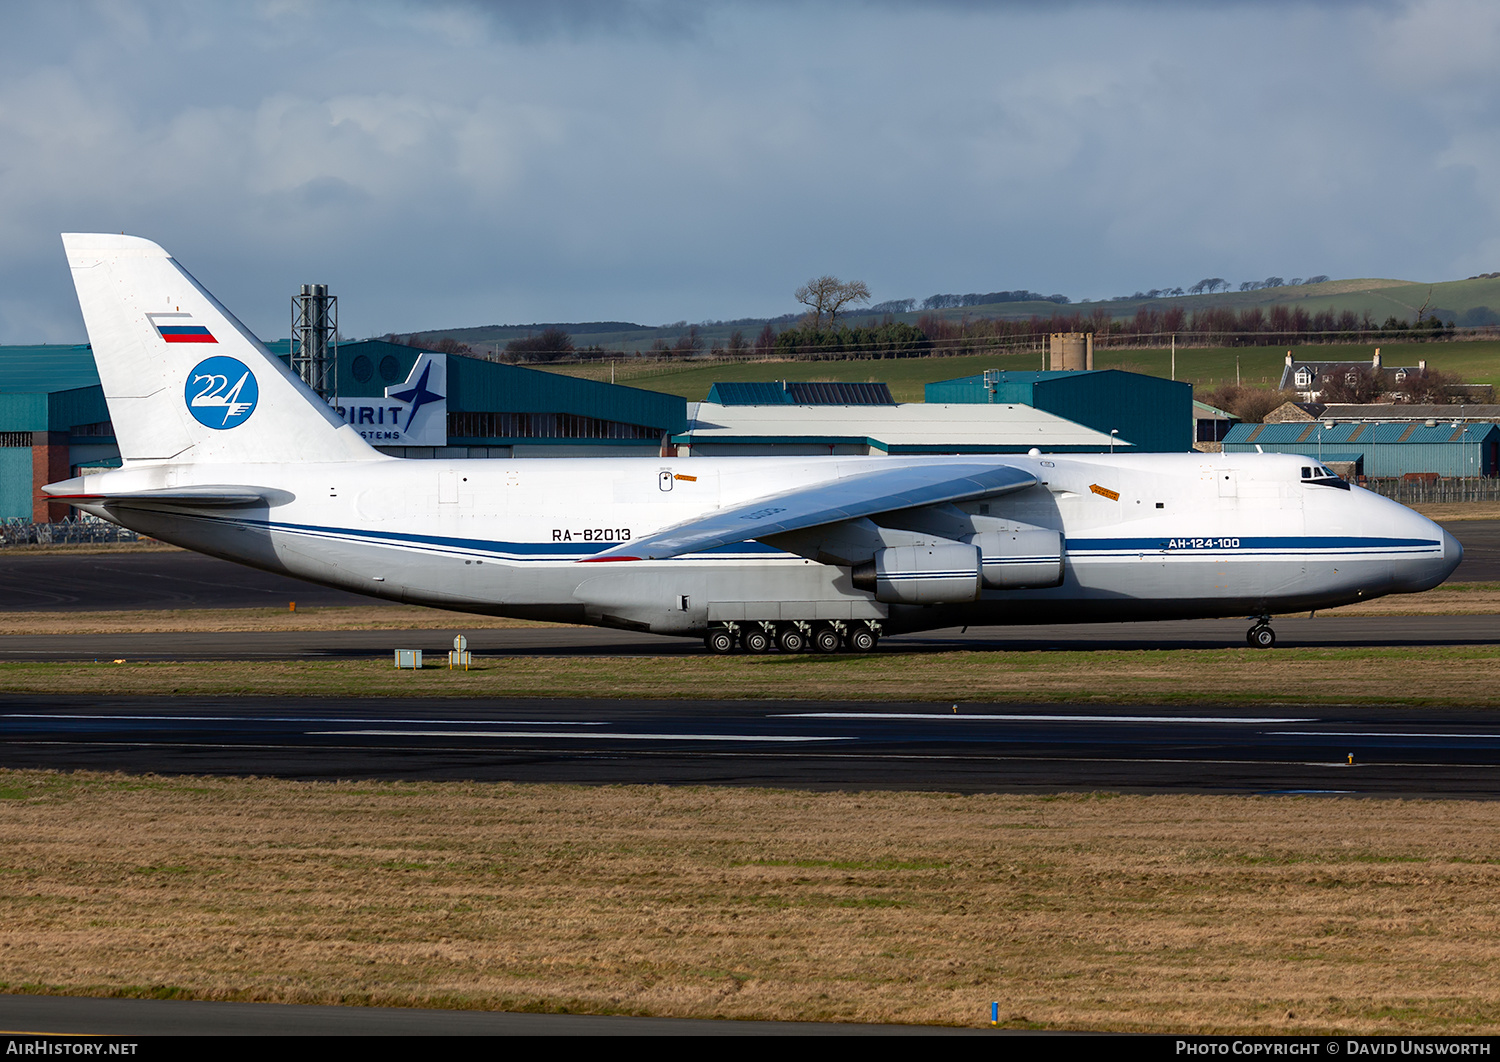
x=461, y=163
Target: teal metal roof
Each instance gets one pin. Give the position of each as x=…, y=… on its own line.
x=750, y=393
x=49, y=387
x=1365, y=434
x=45, y=368
x=799, y=393
x=1155, y=414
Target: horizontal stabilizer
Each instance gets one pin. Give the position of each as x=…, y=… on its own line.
x=903, y=486
x=203, y=497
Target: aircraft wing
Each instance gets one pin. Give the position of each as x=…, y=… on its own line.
x=900, y=487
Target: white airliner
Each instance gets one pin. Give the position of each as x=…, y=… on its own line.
x=228, y=453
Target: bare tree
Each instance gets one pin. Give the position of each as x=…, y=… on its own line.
x=689, y=342
x=1250, y=404
x=1353, y=384
x=549, y=345
x=1428, y=386
x=828, y=295
x=1423, y=309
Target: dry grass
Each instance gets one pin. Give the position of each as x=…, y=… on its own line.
x=89, y=549
x=1158, y=913
x=1447, y=512
x=1435, y=675
x=371, y=617
x=1450, y=599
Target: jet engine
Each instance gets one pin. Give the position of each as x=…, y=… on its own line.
x=941, y=573
x=1021, y=558
x=922, y=575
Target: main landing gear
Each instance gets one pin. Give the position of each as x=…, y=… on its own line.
x=794, y=636
x=1261, y=636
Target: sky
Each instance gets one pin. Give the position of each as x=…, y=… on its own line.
x=458, y=163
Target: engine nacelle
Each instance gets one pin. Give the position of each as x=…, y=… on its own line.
x=1021, y=558
x=922, y=575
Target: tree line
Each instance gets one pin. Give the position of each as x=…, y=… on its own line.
x=819, y=334
x=1347, y=384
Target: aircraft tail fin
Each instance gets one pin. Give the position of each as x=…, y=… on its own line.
x=184, y=380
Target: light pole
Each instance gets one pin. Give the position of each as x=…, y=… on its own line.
x=1112, y=433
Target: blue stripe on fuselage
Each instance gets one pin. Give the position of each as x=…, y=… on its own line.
x=1287, y=544
x=1086, y=547
x=521, y=550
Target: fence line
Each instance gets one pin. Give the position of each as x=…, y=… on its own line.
x=1454, y=489
x=74, y=530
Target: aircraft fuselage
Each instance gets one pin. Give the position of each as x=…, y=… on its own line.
x=1144, y=536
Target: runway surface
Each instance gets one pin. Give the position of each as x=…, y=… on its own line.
x=172, y=579
x=118, y=580
x=804, y=745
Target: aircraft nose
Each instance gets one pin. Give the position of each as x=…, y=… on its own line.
x=1426, y=572
x=1453, y=552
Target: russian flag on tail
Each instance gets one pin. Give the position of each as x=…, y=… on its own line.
x=180, y=328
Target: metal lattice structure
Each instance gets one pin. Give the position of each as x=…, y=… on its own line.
x=315, y=337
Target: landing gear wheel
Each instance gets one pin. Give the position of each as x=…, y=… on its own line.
x=826, y=640
x=862, y=640
x=791, y=640
x=756, y=640
x=1261, y=638
x=719, y=641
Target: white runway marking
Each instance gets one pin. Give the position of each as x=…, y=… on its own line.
x=962, y=716
x=1378, y=733
x=301, y=719
x=613, y=735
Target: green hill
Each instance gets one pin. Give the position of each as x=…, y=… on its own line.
x=1464, y=302
x=1205, y=369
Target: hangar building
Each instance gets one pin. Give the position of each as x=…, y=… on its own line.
x=495, y=410
x=790, y=418
x=52, y=421
x=1396, y=441
x=1154, y=414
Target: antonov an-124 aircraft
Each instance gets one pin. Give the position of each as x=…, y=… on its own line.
x=226, y=452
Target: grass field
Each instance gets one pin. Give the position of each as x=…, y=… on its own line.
x=1145, y=914
x=1204, y=368
x=1441, y=675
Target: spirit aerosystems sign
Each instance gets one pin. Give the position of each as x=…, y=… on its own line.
x=413, y=413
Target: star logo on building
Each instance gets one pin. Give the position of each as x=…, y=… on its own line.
x=418, y=396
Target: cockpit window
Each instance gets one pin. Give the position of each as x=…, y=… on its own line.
x=1321, y=476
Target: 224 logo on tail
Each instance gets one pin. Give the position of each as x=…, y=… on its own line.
x=221, y=392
